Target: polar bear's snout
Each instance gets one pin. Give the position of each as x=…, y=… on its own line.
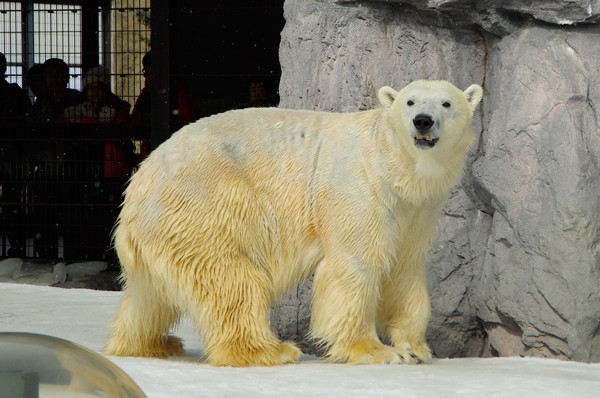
x=424, y=138
x=423, y=122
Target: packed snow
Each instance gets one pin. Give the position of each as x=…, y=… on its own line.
x=82, y=316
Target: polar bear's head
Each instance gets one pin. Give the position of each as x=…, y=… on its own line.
x=432, y=115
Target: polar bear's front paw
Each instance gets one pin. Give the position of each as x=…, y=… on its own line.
x=273, y=353
x=289, y=353
x=414, y=353
x=378, y=357
x=367, y=353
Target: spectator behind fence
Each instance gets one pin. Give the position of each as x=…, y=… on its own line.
x=36, y=81
x=184, y=111
x=258, y=95
x=49, y=108
x=102, y=106
x=45, y=159
x=14, y=102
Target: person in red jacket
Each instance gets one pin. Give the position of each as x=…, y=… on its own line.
x=184, y=110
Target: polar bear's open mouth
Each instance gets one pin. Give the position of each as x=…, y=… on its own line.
x=425, y=141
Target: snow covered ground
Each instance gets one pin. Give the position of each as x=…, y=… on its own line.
x=82, y=316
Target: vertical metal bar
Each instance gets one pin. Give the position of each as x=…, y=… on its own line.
x=106, y=34
x=89, y=35
x=27, y=31
x=160, y=130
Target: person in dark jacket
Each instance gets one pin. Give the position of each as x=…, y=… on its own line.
x=14, y=102
x=50, y=107
x=49, y=189
x=35, y=80
x=14, y=105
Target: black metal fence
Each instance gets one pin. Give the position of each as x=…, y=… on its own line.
x=61, y=186
x=83, y=33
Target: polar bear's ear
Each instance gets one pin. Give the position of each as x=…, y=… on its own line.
x=387, y=95
x=473, y=94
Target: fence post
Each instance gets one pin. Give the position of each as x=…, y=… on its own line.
x=160, y=130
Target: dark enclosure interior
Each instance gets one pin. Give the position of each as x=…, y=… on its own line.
x=222, y=49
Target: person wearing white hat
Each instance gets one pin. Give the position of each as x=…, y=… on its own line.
x=101, y=105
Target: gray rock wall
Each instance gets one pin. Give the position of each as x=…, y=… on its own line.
x=515, y=269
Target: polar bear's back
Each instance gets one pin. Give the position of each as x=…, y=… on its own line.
x=261, y=147
x=240, y=173
x=266, y=143
x=260, y=129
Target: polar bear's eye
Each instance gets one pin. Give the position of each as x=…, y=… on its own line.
x=410, y=103
x=446, y=104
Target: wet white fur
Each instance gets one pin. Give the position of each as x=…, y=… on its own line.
x=237, y=208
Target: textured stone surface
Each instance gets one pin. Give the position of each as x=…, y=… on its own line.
x=499, y=16
x=515, y=269
x=539, y=170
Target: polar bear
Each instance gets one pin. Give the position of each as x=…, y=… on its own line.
x=237, y=208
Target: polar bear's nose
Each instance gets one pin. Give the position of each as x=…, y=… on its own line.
x=423, y=122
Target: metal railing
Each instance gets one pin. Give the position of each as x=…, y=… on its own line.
x=61, y=186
